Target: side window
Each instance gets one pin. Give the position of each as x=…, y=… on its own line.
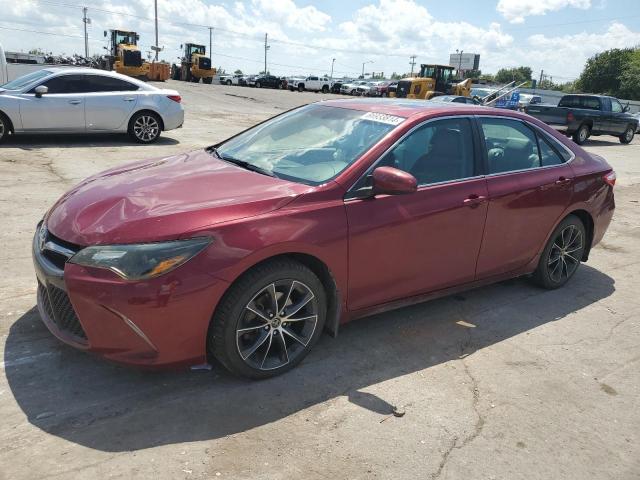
x=511, y=145
x=439, y=151
x=548, y=154
x=99, y=83
x=569, y=101
x=590, y=103
x=616, y=107
x=66, y=84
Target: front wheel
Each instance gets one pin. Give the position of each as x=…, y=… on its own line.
x=269, y=320
x=562, y=256
x=258, y=85
x=627, y=136
x=145, y=127
x=207, y=80
x=325, y=89
x=4, y=128
x=581, y=135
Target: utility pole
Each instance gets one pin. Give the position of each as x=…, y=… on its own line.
x=85, y=20
x=155, y=6
x=541, y=77
x=266, y=47
x=332, y=62
x=412, y=63
x=210, y=41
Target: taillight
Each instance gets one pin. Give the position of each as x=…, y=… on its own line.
x=570, y=117
x=610, y=178
x=175, y=98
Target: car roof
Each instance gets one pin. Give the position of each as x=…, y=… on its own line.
x=410, y=108
x=95, y=71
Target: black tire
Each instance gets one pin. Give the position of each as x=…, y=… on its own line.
x=229, y=82
x=353, y=93
x=207, y=80
x=5, y=127
x=301, y=87
x=233, y=314
x=153, y=128
x=258, y=85
x=195, y=79
x=580, y=136
x=568, y=237
x=325, y=89
x=627, y=136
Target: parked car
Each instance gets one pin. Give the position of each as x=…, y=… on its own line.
x=315, y=84
x=250, y=80
x=528, y=99
x=581, y=116
x=456, y=99
x=292, y=83
x=226, y=79
x=363, y=89
x=337, y=85
x=238, y=79
x=248, y=250
x=379, y=89
x=267, y=81
x=391, y=88
x=352, y=88
x=637, y=117
x=82, y=100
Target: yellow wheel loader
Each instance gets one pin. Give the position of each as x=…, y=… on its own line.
x=124, y=56
x=194, y=65
x=433, y=80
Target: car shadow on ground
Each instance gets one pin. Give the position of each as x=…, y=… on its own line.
x=83, y=399
x=29, y=142
x=605, y=142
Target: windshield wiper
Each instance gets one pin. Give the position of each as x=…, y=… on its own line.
x=241, y=163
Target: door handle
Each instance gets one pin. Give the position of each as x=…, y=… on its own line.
x=563, y=182
x=128, y=99
x=75, y=102
x=474, y=200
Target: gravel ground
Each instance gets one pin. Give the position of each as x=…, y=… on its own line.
x=503, y=382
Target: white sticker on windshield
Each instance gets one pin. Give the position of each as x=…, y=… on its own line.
x=383, y=118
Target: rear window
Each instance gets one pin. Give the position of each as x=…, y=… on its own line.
x=589, y=103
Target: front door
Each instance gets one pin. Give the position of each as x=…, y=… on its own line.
x=406, y=245
x=530, y=186
x=61, y=109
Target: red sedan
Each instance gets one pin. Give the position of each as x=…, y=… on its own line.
x=248, y=250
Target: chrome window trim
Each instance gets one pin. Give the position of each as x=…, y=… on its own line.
x=537, y=130
x=395, y=144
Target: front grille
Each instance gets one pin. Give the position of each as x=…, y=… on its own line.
x=58, y=308
x=56, y=250
x=403, y=88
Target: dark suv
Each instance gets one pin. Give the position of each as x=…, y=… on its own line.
x=268, y=81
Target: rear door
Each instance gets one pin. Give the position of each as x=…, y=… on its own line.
x=404, y=245
x=61, y=109
x=109, y=102
x=529, y=185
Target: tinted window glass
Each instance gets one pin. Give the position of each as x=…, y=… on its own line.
x=548, y=154
x=569, y=101
x=590, y=103
x=510, y=144
x=616, y=107
x=65, y=84
x=439, y=151
x=99, y=83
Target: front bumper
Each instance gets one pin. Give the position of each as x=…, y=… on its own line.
x=155, y=323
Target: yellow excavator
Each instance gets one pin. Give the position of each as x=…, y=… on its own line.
x=124, y=55
x=194, y=65
x=433, y=80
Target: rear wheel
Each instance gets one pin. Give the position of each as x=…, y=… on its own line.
x=325, y=89
x=195, y=79
x=562, y=256
x=300, y=87
x=269, y=320
x=229, y=82
x=581, y=135
x=145, y=127
x=4, y=127
x=207, y=80
x=627, y=136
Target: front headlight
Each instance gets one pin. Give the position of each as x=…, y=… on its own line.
x=143, y=260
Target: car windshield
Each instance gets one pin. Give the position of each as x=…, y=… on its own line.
x=25, y=80
x=311, y=144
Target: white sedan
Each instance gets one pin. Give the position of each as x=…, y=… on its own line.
x=84, y=100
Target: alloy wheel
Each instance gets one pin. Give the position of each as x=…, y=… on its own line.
x=628, y=135
x=565, y=254
x=277, y=324
x=146, y=128
x=2, y=128
x=582, y=134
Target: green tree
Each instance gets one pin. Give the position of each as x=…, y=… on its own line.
x=518, y=75
x=238, y=72
x=472, y=73
x=602, y=72
x=630, y=78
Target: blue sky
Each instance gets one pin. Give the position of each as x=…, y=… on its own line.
x=555, y=35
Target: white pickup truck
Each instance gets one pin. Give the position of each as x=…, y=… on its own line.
x=313, y=84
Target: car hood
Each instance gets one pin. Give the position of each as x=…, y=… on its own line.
x=163, y=199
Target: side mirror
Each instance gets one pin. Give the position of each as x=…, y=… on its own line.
x=41, y=90
x=392, y=181
x=625, y=108
x=105, y=33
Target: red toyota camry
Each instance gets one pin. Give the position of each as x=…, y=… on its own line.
x=248, y=250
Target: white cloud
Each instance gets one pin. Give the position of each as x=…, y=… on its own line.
x=515, y=11
x=301, y=18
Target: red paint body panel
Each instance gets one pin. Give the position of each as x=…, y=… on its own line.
x=382, y=252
